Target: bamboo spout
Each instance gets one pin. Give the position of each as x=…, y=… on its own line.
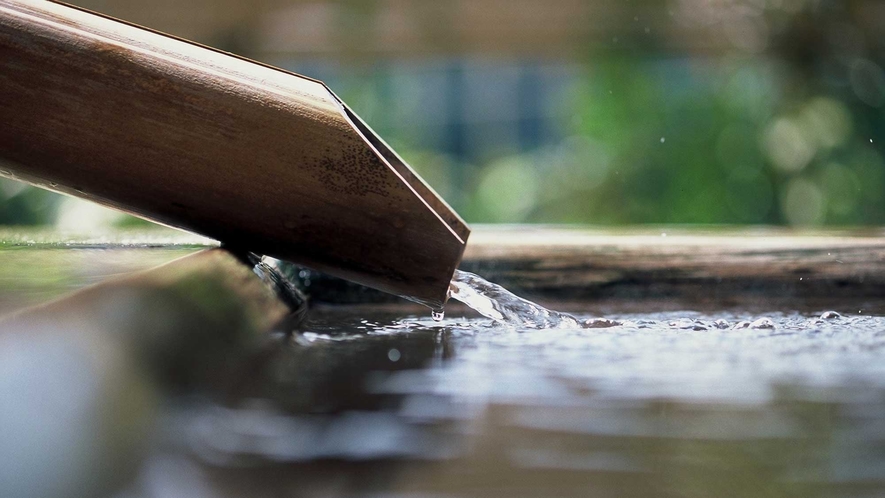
x=253, y=156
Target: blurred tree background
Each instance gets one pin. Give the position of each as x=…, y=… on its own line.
x=567, y=111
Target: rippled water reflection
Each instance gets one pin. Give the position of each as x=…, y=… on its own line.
x=680, y=404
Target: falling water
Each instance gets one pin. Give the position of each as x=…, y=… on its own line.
x=499, y=304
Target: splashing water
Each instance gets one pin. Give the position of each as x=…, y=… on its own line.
x=499, y=304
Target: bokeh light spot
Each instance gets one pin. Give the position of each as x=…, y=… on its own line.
x=803, y=203
x=788, y=146
x=509, y=190
x=828, y=122
x=868, y=82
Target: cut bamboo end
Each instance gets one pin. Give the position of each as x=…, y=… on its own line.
x=183, y=135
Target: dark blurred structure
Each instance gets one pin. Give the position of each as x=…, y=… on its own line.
x=680, y=111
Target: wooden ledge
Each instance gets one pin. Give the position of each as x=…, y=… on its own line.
x=674, y=267
x=596, y=268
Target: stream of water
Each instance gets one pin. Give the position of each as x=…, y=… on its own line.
x=495, y=302
x=506, y=308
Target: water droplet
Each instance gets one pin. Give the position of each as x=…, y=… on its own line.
x=437, y=315
x=394, y=355
x=663, y=139
x=829, y=315
x=762, y=323
x=721, y=324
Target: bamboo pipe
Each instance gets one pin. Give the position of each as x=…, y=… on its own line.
x=183, y=135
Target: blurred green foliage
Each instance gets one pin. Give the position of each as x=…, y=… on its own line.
x=725, y=144
x=785, y=135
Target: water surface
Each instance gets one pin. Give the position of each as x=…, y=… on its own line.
x=670, y=404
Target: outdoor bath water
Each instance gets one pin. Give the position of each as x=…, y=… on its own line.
x=369, y=400
x=524, y=401
x=657, y=404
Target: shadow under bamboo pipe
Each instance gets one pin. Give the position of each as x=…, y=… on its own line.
x=180, y=134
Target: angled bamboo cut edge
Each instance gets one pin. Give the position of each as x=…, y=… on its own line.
x=259, y=158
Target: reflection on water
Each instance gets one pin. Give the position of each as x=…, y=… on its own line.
x=681, y=404
x=34, y=275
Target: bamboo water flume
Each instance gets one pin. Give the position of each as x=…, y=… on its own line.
x=261, y=159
